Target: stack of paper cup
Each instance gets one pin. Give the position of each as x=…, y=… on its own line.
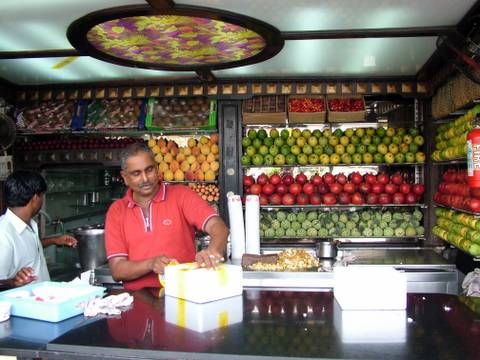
x=237, y=227
x=252, y=224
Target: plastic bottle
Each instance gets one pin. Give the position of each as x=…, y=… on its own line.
x=473, y=155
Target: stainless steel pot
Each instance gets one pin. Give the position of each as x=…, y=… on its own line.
x=91, y=247
x=326, y=249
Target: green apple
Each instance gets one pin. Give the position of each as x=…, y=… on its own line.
x=344, y=140
x=252, y=134
x=390, y=132
x=328, y=149
x=284, y=134
x=291, y=141
x=296, y=133
x=246, y=141
x=420, y=157
x=274, y=133
x=413, y=132
x=324, y=159
x=285, y=150
x=389, y=158
x=313, y=159
x=376, y=140
x=263, y=150
x=378, y=158
x=302, y=159
x=360, y=132
x=257, y=159
x=306, y=133
x=279, y=142
x=279, y=159
x=393, y=148
x=295, y=149
x=246, y=160
x=312, y=141
x=410, y=157
x=357, y=158
x=291, y=159
x=322, y=141
x=366, y=140
x=399, y=158
x=419, y=140
x=251, y=150
x=407, y=139
x=355, y=140
x=396, y=139
x=372, y=149
x=403, y=148
x=381, y=132
x=317, y=133
x=268, y=141
x=346, y=159
x=413, y=147
x=333, y=140
x=401, y=131
x=361, y=149
x=338, y=133
x=327, y=132
x=370, y=131
x=335, y=159
x=350, y=149
x=339, y=149
x=367, y=158
x=257, y=143
x=273, y=150
x=349, y=132
x=387, y=140
x=382, y=149
x=301, y=141
x=318, y=149
x=268, y=160
x=307, y=149
x=262, y=134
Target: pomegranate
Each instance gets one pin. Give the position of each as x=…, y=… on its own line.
x=405, y=188
x=398, y=198
x=275, y=179
x=370, y=179
x=295, y=189
x=315, y=199
x=268, y=189
x=397, y=178
x=248, y=180
x=391, y=188
x=329, y=199
x=384, y=199
x=275, y=199
x=302, y=199
x=256, y=189
x=316, y=180
x=383, y=178
x=288, y=180
x=300, y=179
x=357, y=199
x=349, y=188
x=308, y=188
x=372, y=198
x=262, y=179
x=328, y=178
x=341, y=179
x=418, y=189
x=281, y=189
x=336, y=188
x=356, y=178
x=377, y=188
x=288, y=199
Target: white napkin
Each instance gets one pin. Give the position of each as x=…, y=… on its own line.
x=252, y=224
x=111, y=305
x=237, y=227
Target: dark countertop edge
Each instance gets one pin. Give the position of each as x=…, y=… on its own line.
x=75, y=351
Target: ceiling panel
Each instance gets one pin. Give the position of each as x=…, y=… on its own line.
x=42, y=24
x=342, y=57
x=307, y=15
x=81, y=69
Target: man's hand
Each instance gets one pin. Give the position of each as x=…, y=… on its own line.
x=159, y=263
x=208, y=258
x=66, y=240
x=24, y=276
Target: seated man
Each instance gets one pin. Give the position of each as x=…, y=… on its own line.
x=21, y=256
x=155, y=224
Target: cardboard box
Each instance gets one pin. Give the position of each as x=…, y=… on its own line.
x=204, y=317
x=306, y=117
x=370, y=288
x=370, y=326
x=201, y=285
x=26, y=304
x=345, y=116
x=265, y=110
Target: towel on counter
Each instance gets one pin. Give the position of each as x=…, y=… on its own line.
x=111, y=305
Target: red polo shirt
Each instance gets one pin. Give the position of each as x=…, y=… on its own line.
x=175, y=213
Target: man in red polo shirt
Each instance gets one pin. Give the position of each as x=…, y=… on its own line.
x=154, y=223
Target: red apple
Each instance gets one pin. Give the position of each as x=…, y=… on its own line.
x=316, y=180
x=336, y=188
x=275, y=199
x=301, y=179
x=315, y=199
x=262, y=179
x=288, y=180
x=418, y=189
x=256, y=189
x=397, y=178
x=329, y=199
x=411, y=198
x=341, y=179
x=344, y=198
x=364, y=188
x=349, y=188
x=248, y=180
x=328, y=178
x=295, y=189
x=268, y=189
x=357, y=199
x=383, y=178
x=405, y=188
x=302, y=199
x=372, y=198
x=370, y=179
x=377, y=188
x=391, y=188
x=322, y=188
x=384, y=199
x=281, y=189
x=308, y=188
x=275, y=179
x=356, y=178
x=288, y=199
x=398, y=198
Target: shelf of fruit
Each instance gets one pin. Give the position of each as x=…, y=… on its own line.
x=446, y=207
x=350, y=146
x=459, y=229
x=346, y=224
x=350, y=207
x=332, y=190
x=316, y=166
x=454, y=192
x=120, y=132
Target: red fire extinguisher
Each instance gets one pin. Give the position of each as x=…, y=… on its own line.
x=473, y=156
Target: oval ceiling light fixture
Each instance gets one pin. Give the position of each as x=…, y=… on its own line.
x=183, y=38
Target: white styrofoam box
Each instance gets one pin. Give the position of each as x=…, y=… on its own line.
x=370, y=326
x=370, y=288
x=204, y=317
x=202, y=285
x=50, y=301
